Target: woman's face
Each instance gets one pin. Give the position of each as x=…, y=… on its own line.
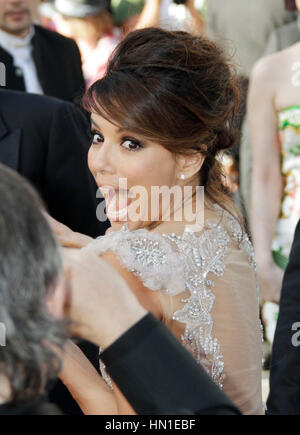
x=117, y=154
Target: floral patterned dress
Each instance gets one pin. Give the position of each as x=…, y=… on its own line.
x=289, y=138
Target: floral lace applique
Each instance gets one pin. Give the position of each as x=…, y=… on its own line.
x=204, y=253
x=242, y=238
x=175, y=263
x=147, y=255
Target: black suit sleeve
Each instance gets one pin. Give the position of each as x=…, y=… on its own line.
x=284, y=395
x=77, y=74
x=157, y=375
x=58, y=64
x=69, y=190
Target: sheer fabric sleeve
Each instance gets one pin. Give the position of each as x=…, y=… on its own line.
x=148, y=255
x=209, y=279
x=220, y=311
x=237, y=327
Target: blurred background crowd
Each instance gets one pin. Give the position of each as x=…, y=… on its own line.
x=98, y=26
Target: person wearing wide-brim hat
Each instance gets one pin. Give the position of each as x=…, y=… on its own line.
x=91, y=24
x=81, y=8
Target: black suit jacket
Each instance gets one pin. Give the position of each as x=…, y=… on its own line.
x=58, y=65
x=46, y=140
x=158, y=375
x=284, y=397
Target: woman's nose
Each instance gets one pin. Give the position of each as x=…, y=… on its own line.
x=101, y=157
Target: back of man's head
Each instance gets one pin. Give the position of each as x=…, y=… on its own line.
x=30, y=266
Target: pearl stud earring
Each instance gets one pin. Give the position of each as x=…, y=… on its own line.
x=182, y=177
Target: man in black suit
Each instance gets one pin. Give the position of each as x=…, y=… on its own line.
x=46, y=140
x=284, y=397
x=37, y=60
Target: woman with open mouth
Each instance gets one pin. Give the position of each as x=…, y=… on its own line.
x=161, y=117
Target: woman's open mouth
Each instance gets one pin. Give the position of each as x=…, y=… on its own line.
x=117, y=202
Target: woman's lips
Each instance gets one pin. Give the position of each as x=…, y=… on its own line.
x=117, y=202
x=117, y=206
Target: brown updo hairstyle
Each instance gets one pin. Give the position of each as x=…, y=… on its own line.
x=177, y=90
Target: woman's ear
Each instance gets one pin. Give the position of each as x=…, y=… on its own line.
x=188, y=165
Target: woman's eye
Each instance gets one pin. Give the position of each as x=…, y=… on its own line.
x=131, y=145
x=96, y=138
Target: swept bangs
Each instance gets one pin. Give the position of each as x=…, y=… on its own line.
x=125, y=101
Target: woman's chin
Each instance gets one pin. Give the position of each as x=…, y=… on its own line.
x=117, y=224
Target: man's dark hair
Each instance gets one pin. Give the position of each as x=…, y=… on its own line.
x=30, y=265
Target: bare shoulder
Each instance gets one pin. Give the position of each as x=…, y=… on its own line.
x=269, y=77
x=264, y=68
x=292, y=50
x=149, y=299
x=273, y=67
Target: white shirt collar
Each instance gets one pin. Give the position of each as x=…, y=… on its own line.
x=21, y=51
x=14, y=42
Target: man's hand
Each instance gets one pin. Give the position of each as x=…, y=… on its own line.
x=66, y=236
x=102, y=307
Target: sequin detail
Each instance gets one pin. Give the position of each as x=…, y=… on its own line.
x=104, y=373
x=243, y=240
x=174, y=263
x=147, y=255
x=203, y=254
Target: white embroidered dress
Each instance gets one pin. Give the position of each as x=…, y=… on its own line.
x=207, y=279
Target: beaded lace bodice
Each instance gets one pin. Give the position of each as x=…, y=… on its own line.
x=189, y=263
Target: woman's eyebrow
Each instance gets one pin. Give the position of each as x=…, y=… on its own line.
x=94, y=124
x=120, y=129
